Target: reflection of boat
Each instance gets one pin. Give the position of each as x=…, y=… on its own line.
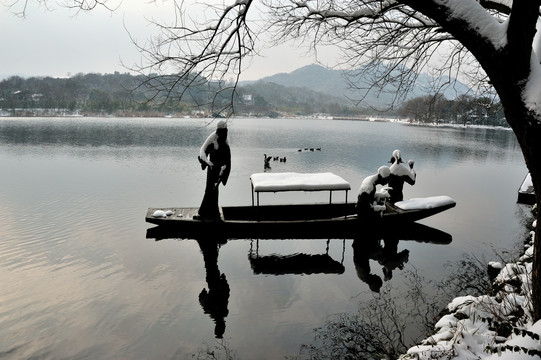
x=287, y=218
x=419, y=233
x=295, y=264
x=366, y=245
x=380, y=246
x=526, y=194
x=410, y=231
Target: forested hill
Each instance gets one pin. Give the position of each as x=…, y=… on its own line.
x=113, y=93
x=94, y=93
x=311, y=90
x=118, y=94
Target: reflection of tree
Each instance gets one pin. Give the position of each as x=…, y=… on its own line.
x=345, y=337
x=220, y=350
x=214, y=300
x=388, y=325
x=468, y=275
x=377, y=331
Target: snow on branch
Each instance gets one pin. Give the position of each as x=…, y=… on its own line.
x=532, y=89
x=372, y=10
x=481, y=21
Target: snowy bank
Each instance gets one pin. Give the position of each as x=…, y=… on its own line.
x=489, y=327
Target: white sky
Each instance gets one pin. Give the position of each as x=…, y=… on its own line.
x=56, y=43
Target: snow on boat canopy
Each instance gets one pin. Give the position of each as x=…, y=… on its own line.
x=292, y=181
x=241, y=221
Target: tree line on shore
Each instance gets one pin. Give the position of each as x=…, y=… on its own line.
x=120, y=95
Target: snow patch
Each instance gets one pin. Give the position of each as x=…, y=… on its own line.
x=495, y=265
x=162, y=213
x=367, y=186
x=425, y=203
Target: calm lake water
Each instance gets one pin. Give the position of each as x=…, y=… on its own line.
x=80, y=278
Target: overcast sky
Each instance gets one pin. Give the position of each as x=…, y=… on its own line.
x=56, y=43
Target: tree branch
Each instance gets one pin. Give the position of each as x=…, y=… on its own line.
x=20, y=7
x=198, y=54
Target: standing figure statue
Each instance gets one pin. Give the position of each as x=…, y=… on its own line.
x=368, y=201
x=216, y=156
x=400, y=174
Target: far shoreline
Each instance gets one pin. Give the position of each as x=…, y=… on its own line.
x=368, y=118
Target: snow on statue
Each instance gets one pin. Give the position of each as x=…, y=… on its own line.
x=369, y=201
x=400, y=174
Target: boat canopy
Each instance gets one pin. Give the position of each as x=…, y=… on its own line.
x=292, y=181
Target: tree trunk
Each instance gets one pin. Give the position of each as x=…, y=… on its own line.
x=508, y=70
x=531, y=148
x=527, y=128
x=536, y=273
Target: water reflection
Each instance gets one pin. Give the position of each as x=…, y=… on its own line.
x=214, y=300
x=478, y=144
x=299, y=263
x=376, y=245
x=362, y=253
x=382, y=246
x=95, y=132
x=74, y=192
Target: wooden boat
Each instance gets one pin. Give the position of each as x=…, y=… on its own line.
x=241, y=221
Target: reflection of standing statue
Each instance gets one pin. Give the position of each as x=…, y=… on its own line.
x=369, y=247
x=365, y=249
x=390, y=258
x=214, y=300
x=400, y=174
x=216, y=155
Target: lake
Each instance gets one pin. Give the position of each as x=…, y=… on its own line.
x=80, y=278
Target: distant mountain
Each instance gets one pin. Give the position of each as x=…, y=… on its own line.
x=335, y=83
x=314, y=77
x=278, y=94
x=2, y=77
